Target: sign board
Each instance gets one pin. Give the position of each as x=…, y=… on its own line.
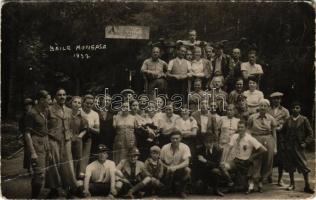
x=127, y=32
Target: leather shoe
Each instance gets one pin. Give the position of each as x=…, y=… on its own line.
x=218, y=193
x=183, y=195
x=249, y=191
x=290, y=188
x=309, y=190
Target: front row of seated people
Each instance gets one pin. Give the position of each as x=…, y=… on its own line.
x=167, y=171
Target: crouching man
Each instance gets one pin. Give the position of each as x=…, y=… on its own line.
x=246, y=149
x=132, y=176
x=100, y=175
x=176, y=156
x=208, y=164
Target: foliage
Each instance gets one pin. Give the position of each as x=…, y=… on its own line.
x=282, y=32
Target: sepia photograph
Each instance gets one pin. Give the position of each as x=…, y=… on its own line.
x=157, y=99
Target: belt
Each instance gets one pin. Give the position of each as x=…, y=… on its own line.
x=265, y=134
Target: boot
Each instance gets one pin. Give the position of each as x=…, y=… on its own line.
x=218, y=192
x=308, y=189
x=53, y=194
x=136, y=188
x=36, y=190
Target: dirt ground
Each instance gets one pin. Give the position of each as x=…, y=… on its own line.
x=15, y=183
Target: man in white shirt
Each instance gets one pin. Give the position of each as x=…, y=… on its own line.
x=153, y=70
x=246, y=149
x=251, y=68
x=166, y=124
x=90, y=140
x=176, y=156
x=100, y=175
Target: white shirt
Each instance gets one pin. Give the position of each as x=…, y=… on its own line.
x=253, y=99
x=92, y=117
x=204, y=119
x=97, y=172
x=251, y=69
x=182, y=60
x=165, y=123
x=197, y=67
x=245, y=147
x=186, y=125
x=172, y=158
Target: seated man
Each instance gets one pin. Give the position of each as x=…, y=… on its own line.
x=100, y=175
x=132, y=175
x=246, y=149
x=176, y=156
x=208, y=163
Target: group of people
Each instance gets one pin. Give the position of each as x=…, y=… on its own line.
x=152, y=146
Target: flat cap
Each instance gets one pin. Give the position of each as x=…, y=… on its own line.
x=102, y=148
x=276, y=94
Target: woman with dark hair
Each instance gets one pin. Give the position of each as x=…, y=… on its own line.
x=253, y=95
x=124, y=124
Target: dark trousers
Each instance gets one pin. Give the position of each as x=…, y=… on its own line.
x=178, y=87
x=177, y=181
x=99, y=189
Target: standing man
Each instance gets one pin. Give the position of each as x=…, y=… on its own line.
x=280, y=114
x=251, y=68
x=178, y=73
x=192, y=41
x=206, y=122
x=92, y=139
x=234, y=69
x=36, y=140
x=27, y=106
x=62, y=173
x=220, y=62
x=176, y=156
x=154, y=70
x=100, y=175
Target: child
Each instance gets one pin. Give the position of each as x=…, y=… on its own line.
x=296, y=132
x=155, y=168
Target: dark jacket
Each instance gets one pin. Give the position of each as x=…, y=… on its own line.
x=213, y=159
x=224, y=65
